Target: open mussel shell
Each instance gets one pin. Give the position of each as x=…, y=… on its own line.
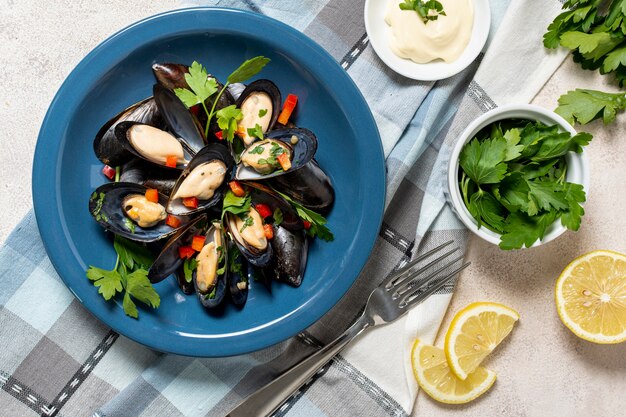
x=250, y=99
x=302, y=152
x=125, y=131
x=238, y=285
x=171, y=75
x=144, y=173
x=213, y=296
x=179, y=120
x=106, y=145
x=290, y=249
x=257, y=257
x=309, y=186
x=169, y=261
x=213, y=152
x=106, y=206
x=261, y=194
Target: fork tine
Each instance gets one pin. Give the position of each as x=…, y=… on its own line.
x=412, y=263
x=409, y=276
x=415, y=283
x=407, y=301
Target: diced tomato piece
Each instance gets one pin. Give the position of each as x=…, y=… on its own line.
x=197, y=243
x=290, y=104
x=284, y=161
x=171, y=161
x=219, y=135
x=190, y=202
x=152, y=195
x=186, y=252
x=236, y=188
x=269, y=231
x=172, y=221
x=307, y=224
x=264, y=210
x=108, y=172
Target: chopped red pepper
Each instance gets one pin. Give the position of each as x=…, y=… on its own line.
x=108, y=172
x=152, y=195
x=269, y=231
x=307, y=224
x=172, y=221
x=284, y=161
x=219, y=135
x=186, y=252
x=290, y=104
x=237, y=189
x=195, y=109
x=190, y=202
x=197, y=243
x=171, y=161
x=264, y=210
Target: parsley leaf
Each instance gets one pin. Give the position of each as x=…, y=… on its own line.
x=428, y=10
x=278, y=216
x=523, y=230
x=483, y=161
x=200, y=85
x=248, y=69
x=236, y=205
x=583, y=106
x=109, y=283
x=189, y=265
x=227, y=119
x=138, y=285
x=574, y=195
x=513, y=150
x=317, y=221
x=486, y=209
x=256, y=131
x=262, y=112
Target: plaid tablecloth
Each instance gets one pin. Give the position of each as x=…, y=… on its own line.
x=56, y=359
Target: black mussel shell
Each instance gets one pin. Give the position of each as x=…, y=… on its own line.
x=171, y=75
x=141, y=172
x=309, y=186
x=220, y=288
x=238, y=285
x=121, y=131
x=291, y=249
x=186, y=287
x=211, y=152
x=169, y=260
x=107, y=147
x=179, y=120
x=302, y=152
x=264, y=86
x=105, y=205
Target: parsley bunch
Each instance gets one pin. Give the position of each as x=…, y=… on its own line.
x=427, y=10
x=513, y=180
x=130, y=276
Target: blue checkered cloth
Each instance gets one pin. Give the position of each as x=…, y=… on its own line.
x=56, y=359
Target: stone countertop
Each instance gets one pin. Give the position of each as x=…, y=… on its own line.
x=543, y=369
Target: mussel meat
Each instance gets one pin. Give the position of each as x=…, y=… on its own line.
x=211, y=273
x=260, y=104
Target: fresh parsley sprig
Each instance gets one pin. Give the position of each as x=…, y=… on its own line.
x=513, y=180
x=318, y=222
x=130, y=276
x=583, y=106
x=201, y=87
x=427, y=10
x=236, y=205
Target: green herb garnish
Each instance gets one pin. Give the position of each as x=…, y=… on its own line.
x=130, y=225
x=201, y=88
x=513, y=180
x=189, y=265
x=584, y=106
x=317, y=221
x=258, y=150
x=262, y=112
x=256, y=131
x=236, y=205
x=227, y=119
x=247, y=222
x=427, y=10
x=278, y=216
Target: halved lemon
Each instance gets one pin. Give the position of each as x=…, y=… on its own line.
x=435, y=378
x=474, y=333
x=591, y=296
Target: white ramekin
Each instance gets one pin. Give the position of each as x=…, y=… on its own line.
x=577, y=165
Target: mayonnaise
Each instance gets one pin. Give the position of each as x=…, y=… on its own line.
x=444, y=38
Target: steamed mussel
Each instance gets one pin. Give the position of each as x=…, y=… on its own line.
x=259, y=188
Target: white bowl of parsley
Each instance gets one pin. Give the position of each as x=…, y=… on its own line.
x=518, y=176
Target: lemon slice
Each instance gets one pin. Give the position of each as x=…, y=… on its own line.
x=435, y=378
x=591, y=297
x=474, y=333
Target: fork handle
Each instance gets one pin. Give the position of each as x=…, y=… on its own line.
x=269, y=398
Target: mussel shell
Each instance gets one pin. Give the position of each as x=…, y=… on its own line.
x=256, y=257
x=272, y=91
x=222, y=280
x=302, y=153
x=110, y=215
x=309, y=186
x=106, y=145
x=260, y=193
x=291, y=250
x=186, y=287
x=169, y=260
x=180, y=121
x=171, y=75
x=238, y=295
x=211, y=152
x=152, y=176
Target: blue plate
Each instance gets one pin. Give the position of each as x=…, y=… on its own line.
x=118, y=73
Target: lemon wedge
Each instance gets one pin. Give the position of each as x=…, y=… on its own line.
x=474, y=333
x=435, y=378
x=591, y=296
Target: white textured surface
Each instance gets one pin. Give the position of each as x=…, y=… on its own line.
x=543, y=370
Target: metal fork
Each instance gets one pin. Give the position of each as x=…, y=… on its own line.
x=390, y=300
